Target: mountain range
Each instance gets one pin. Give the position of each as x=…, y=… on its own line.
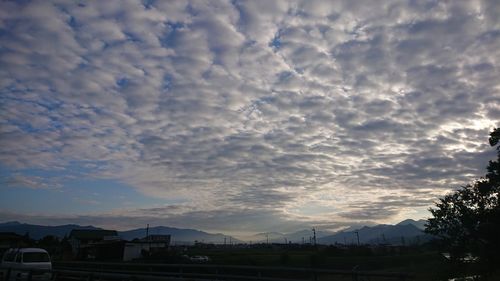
x=40, y=231
x=407, y=231
x=179, y=235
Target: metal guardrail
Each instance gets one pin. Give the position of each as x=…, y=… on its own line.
x=90, y=271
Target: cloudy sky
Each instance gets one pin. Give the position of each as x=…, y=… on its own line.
x=243, y=116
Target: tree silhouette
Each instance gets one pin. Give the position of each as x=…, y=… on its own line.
x=468, y=220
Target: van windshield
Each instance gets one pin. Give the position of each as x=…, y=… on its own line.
x=35, y=257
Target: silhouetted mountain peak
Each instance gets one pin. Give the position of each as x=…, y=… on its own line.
x=420, y=224
x=407, y=221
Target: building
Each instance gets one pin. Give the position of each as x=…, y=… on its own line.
x=12, y=240
x=147, y=246
x=92, y=243
x=105, y=250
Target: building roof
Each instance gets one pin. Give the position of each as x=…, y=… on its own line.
x=91, y=234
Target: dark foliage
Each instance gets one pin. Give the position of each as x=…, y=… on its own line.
x=468, y=220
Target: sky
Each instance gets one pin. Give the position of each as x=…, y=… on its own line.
x=243, y=116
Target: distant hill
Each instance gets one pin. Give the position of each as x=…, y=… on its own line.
x=179, y=235
x=402, y=233
x=420, y=224
x=40, y=231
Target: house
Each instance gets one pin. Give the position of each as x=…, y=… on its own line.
x=12, y=240
x=105, y=250
x=147, y=246
x=85, y=243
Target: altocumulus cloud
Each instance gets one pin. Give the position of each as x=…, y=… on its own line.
x=251, y=113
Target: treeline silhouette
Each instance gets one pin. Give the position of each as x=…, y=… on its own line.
x=467, y=222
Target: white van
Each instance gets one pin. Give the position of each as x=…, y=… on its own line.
x=20, y=261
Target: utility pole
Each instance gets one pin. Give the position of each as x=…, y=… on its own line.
x=357, y=234
x=149, y=239
x=314, y=236
x=267, y=238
